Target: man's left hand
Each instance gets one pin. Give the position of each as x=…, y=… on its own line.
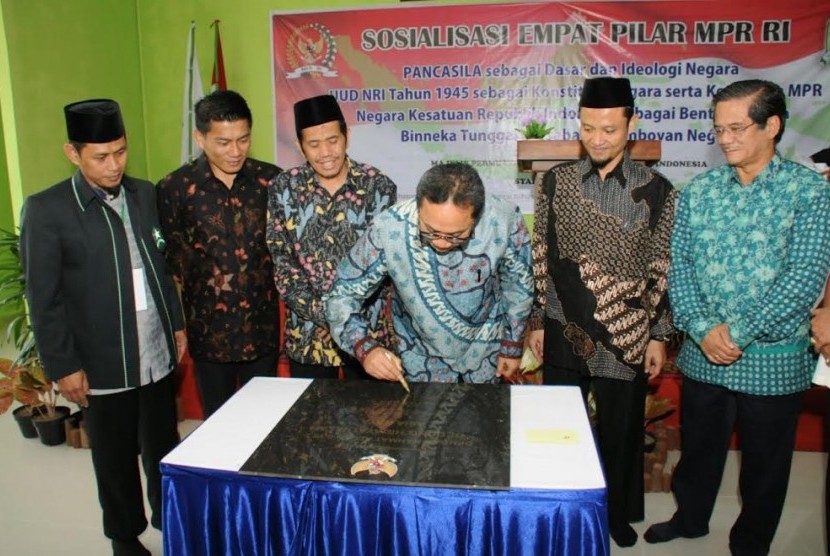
x=655, y=358
x=507, y=368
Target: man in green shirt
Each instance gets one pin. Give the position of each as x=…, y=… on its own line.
x=750, y=254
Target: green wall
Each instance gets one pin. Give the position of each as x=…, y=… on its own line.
x=6, y=219
x=6, y=223
x=60, y=52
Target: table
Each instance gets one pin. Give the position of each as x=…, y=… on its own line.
x=556, y=503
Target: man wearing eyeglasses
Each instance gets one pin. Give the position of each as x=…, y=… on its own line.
x=600, y=256
x=750, y=254
x=459, y=262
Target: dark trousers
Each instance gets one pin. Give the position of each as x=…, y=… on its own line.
x=352, y=370
x=766, y=425
x=620, y=411
x=217, y=382
x=120, y=426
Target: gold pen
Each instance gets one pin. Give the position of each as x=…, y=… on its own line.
x=401, y=379
x=404, y=383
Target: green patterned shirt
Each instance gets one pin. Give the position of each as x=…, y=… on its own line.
x=756, y=258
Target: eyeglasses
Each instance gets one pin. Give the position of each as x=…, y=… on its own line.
x=733, y=130
x=429, y=237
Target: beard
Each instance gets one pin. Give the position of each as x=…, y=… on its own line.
x=599, y=164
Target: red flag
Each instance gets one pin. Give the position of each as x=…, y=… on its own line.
x=217, y=80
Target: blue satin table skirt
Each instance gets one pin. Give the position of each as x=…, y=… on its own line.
x=209, y=512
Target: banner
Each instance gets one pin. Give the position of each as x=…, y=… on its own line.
x=423, y=84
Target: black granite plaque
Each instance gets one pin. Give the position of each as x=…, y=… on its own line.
x=454, y=435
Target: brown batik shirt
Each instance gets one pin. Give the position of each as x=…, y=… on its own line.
x=216, y=249
x=600, y=259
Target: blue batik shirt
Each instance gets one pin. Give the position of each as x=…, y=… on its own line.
x=455, y=313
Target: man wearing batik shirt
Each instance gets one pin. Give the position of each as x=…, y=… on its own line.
x=213, y=214
x=600, y=257
x=750, y=256
x=459, y=262
x=316, y=212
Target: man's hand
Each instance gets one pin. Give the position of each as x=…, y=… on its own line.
x=718, y=347
x=75, y=387
x=820, y=331
x=536, y=341
x=181, y=344
x=655, y=357
x=507, y=368
x=383, y=364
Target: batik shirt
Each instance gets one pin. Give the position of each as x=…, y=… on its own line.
x=600, y=258
x=455, y=313
x=754, y=257
x=216, y=248
x=309, y=232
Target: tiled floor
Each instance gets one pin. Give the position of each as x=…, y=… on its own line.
x=48, y=505
x=800, y=533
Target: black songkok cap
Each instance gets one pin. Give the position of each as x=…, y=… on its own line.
x=821, y=156
x=315, y=111
x=94, y=121
x=606, y=92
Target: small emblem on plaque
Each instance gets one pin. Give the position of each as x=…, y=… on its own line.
x=376, y=464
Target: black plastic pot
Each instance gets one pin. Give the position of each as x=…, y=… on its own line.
x=51, y=429
x=23, y=416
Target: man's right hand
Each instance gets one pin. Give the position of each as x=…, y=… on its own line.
x=718, y=347
x=75, y=387
x=383, y=364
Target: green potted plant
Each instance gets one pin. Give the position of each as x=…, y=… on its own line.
x=39, y=415
x=10, y=392
x=24, y=379
x=534, y=126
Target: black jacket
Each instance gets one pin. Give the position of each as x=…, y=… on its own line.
x=79, y=284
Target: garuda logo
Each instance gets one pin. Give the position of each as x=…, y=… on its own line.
x=310, y=51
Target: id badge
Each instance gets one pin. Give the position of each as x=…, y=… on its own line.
x=138, y=289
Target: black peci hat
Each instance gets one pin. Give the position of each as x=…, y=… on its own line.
x=315, y=111
x=606, y=92
x=94, y=121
